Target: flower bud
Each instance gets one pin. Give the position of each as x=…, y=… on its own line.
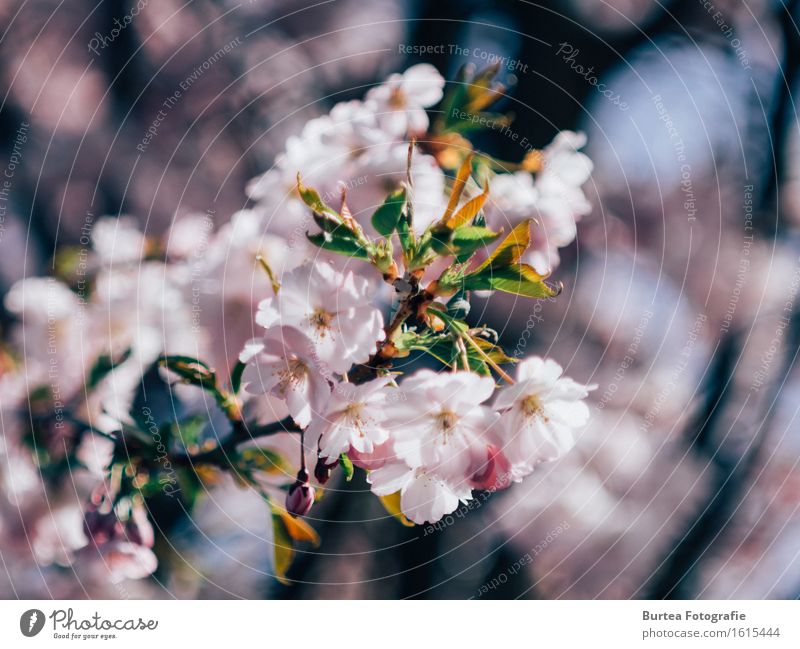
x=301, y=495
x=99, y=526
x=322, y=472
x=493, y=473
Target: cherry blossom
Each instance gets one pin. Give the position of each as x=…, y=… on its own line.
x=561, y=201
x=354, y=419
x=332, y=309
x=424, y=496
x=402, y=99
x=284, y=365
x=540, y=414
x=439, y=421
x=324, y=386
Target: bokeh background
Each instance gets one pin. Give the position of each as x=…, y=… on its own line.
x=680, y=291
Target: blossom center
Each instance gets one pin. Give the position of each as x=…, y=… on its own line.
x=532, y=407
x=397, y=98
x=293, y=373
x=354, y=413
x=321, y=320
x=446, y=422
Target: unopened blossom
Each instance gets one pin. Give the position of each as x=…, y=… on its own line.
x=283, y=364
x=332, y=309
x=354, y=419
x=540, y=414
x=439, y=422
x=401, y=101
x=300, y=497
x=424, y=496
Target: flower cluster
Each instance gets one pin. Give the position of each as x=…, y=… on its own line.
x=327, y=303
x=429, y=438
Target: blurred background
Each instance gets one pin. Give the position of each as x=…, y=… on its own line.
x=680, y=291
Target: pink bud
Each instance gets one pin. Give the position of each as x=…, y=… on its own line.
x=301, y=496
x=493, y=473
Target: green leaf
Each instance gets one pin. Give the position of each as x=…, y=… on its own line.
x=453, y=96
x=257, y=458
x=405, y=342
x=347, y=466
x=469, y=238
x=103, y=366
x=510, y=249
x=383, y=256
x=189, y=486
x=442, y=349
x=387, y=217
x=311, y=197
x=236, y=376
x=190, y=369
x=406, y=236
x=457, y=326
x=391, y=504
x=495, y=352
x=189, y=430
x=339, y=242
x=326, y=223
x=518, y=279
